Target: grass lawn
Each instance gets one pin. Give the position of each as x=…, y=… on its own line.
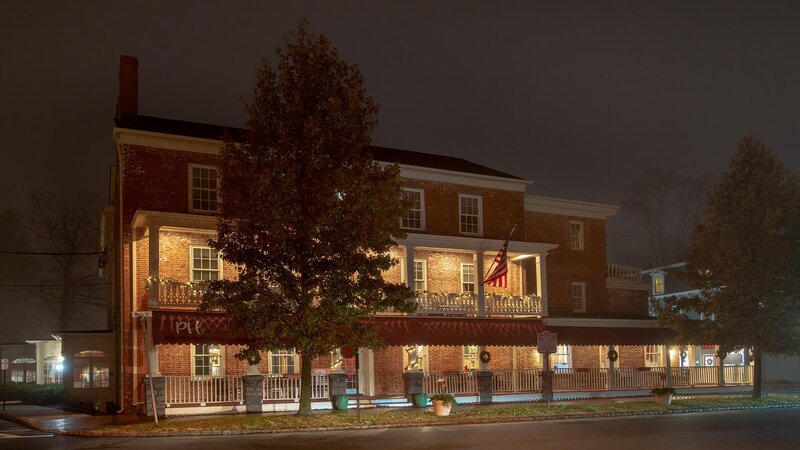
x=408, y=416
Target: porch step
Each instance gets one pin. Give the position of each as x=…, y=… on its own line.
x=394, y=402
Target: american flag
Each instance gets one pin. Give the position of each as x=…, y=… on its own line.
x=499, y=276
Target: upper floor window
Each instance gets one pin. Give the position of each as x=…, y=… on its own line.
x=467, y=277
x=420, y=275
x=415, y=216
x=575, y=235
x=470, y=214
x=207, y=360
x=658, y=283
x=203, y=188
x=579, y=297
x=205, y=264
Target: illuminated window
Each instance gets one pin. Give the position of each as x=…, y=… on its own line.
x=415, y=357
x=578, y=297
x=470, y=357
x=53, y=370
x=420, y=275
x=283, y=361
x=90, y=369
x=561, y=359
x=207, y=360
x=652, y=356
x=415, y=216
x=658, y=284
x=203, y=188
x=467, y=277
x=470, y=214
x=23, y=370
x=576, y=235
x=206, y=265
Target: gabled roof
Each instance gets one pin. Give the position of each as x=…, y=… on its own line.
x=384, y=154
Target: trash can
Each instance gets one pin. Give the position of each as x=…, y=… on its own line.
x=421, y=400
x=340, y=402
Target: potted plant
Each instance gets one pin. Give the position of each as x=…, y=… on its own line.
x=663, y=395
x=442, y=404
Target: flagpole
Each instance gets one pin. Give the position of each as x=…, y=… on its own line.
x=494, y=261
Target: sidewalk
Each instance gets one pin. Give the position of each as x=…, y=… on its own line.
x=54, y=420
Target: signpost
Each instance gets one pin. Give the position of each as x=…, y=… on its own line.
x=546, y=343
x=144, y=315
x=4, y=367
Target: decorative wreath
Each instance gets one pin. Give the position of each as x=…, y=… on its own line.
x=613, y=355
x=486, y=356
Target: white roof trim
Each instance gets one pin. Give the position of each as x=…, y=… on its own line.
x=565, y=207
x=142, y=218
x=663, y=268
x=475, y=244
x=465, y=178
x=601, y=323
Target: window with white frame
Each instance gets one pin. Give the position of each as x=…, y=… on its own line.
x=652, y=356
x=576, y=235
x=562, y=358
x=467, y=277
x=469, y=357
x=90, y=369
x=283, y=361
x=203, y=182
x=53, y=369
x=420, y=275
x=658, y=283
x=207, y=360
x=470, y=214
x=206, y=264
x=578, y=297
x=415, y=357
x=414, y=218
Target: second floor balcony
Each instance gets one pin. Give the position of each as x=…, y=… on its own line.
x=172, y=294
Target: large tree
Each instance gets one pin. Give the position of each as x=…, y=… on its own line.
x=307, y=215
x=745, y=256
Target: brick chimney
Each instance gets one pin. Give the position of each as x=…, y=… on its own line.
x=128, y=100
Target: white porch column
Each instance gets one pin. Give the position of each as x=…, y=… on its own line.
x=151, y=350
x=667, y=364
x=153, y=260
x=366, y=367
x=612, y=369
x=477, y=257
x=410, y=266
x=541, y=281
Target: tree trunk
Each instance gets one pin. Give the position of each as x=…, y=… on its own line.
x=756, y=373
x=305, y=385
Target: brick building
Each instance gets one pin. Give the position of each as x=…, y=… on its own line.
x=163, y=213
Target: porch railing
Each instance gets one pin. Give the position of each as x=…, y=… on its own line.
x=580, y=379
x=514, y=305
x=203, y=390
x=623, y=272
x=450, y=383
x=738, y=374
x=280, y=387
x=446, y=303
x=520, y=380
x=173, y=293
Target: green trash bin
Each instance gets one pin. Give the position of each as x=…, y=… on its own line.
x=421, y=400
x=340, y=402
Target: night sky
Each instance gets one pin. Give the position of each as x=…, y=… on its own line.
x=579, y=97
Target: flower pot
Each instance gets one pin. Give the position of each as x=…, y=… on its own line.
x=440, y=409
x=665, y=399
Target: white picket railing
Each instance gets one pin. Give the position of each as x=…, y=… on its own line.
x=738, y=374
x=580, y=379
x=280, y=387
x=203, y=390
x=640, y=377
x=520, y=380
x=450, y=383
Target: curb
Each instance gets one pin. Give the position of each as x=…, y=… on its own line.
x=474, y=421
x=27, y=423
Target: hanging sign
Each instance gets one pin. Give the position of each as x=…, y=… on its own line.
x=546, y=342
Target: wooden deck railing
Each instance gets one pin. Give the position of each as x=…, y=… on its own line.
x=203, y=390
x=623, y=272
x=279, y=387
x=450, y=383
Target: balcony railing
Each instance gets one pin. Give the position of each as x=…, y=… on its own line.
x=171, y=293
x=623, y=272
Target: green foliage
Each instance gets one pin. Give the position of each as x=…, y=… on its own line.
x=745, y=256
x=34, y=394
x=308, y=217
x=446, y=399
x=663, y=391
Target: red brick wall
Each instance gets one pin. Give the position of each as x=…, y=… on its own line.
x=628, y=303
x=565, y=266
x=388, y=371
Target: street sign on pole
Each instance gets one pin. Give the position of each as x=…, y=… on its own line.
x=4, y=364
x=546, y=342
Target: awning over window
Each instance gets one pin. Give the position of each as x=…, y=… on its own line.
x=457, y=331
x=190, y=327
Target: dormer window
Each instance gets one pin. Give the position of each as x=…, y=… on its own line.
x=414, y=218
x=658, y=283
x=203, y=188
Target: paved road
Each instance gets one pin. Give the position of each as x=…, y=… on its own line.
x=758, y=429
x=12, y=431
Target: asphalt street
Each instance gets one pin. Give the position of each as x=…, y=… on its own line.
x=756, y=429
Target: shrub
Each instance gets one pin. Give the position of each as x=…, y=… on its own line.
x=663, y=391
x=34, y=394
x=447, y=399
